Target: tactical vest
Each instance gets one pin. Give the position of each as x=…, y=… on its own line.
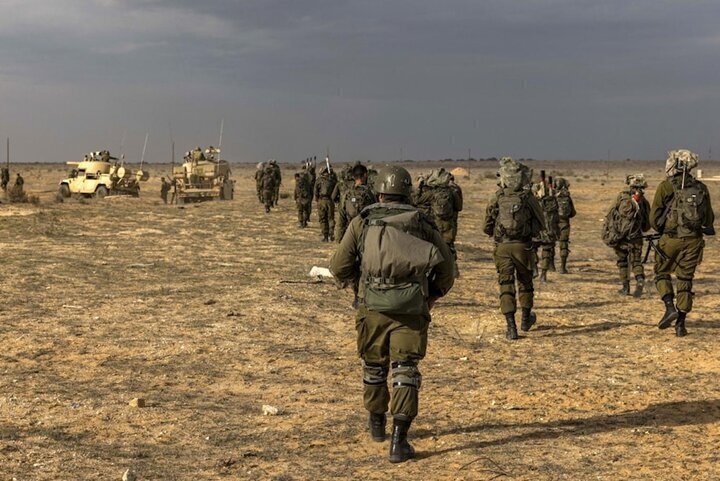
x=564, y=205
x=623, y=222
x=396, y=260
x=514, y=219
x=357, y=198
x=325, y=186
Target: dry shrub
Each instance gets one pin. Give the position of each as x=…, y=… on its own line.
x=17, y=194
x=46, y=223
x=490, y=174
x=284, y=195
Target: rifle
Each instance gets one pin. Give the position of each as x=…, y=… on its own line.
x=651, y=238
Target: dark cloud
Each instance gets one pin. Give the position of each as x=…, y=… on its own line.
x=548, y=78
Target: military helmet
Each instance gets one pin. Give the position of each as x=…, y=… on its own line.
x=680, y=160
x=394, y=180
x=636, y=180
x=562, y=183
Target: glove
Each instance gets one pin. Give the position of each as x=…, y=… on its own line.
x=708, y=230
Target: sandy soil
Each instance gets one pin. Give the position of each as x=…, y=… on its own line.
x=106, y=301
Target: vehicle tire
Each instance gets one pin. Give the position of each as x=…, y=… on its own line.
x=101, y=192
x=64, y=191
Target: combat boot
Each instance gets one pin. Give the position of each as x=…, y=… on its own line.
x=625, y=291
x=511, y=333
x=639, y=285
x=267, y=210
x=400, y=449
x=563, y=265
x=680, y=330
x=671, y=314
x=376, y=423
x=543, y=276
x=528, y=319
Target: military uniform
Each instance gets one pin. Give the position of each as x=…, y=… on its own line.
x=19, y=181
x=258, y=181
x=5, y=177
x=277, y=175
x=513, y=253
x=392, y=343
x=458, y=209
x=549, y=205
x=302, y=200
x=677, y=200
x=164, y=189
x=566, y=211
x=268, y=189
x=326, y=207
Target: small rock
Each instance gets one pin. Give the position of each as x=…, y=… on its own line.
x=269, y=410
x=137, y=402
x=210, y=302
x=129, y=475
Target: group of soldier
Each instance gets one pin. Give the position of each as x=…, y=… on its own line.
x=397, y=254
x=268, y=179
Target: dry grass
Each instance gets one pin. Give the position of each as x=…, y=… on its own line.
x=122, y=298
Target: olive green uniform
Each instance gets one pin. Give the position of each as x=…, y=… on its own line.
x=268, y=189
x=549, y=206
x=684, y=250
x=277, y=175
x=385, y=341
x=164, y=189
x=258, y=184
x=564, y=216
x=514, y=259
x=324, y=186
x=458, y=209
x=302, y=200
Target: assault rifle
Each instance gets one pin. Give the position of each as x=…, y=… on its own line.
x=651, y=239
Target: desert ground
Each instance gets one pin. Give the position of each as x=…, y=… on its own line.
x=206, y=312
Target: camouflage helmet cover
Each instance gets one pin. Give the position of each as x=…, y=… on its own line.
x=679, y=160
x=562, y=183
x=513, y=174
x=636, y=180
x=394, y=180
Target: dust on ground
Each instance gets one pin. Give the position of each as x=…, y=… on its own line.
x=106, y=301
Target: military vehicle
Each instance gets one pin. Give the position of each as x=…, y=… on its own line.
x=99, y=175
x=203, y=176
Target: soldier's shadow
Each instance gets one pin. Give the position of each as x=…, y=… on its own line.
x=669, y=414
x=579, y=330
x=703, y=324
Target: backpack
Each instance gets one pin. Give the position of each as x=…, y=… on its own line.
x=622, y=221
x=326, y=186
x=303, y=188
x=443, y=203
x=356, y=199
x=564, y=206
x=396, y=261
x=688, y=207
x=514, y=220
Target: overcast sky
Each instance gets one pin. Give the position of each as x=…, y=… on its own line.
x=556, y=79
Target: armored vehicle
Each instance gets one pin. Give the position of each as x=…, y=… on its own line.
x=100, y=175
x=203, y=176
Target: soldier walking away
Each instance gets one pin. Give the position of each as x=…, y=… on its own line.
x=623, y=229
x=404, y=267
x=514, y=218
x=5, y=178
x=303, y=201
x=277, y=174
x=682, y=213
x=353, y=199
x=164, y=189
x=566, y=211
x=268, y=188
x=259, y=170
x=324, y=187
x=548, y=237
x=310, y=183
x=19, y=181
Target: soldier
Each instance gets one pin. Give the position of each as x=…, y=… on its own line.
x=513, y=218
x=277, y=174
x=19, y=181
x=5, y=177
x=326, y=208
x=268, y=188
x=164, y=189
x=404, y=266
x=353, y=200
x=566, y=211
x=624, y=225
x=259, y=169
x=310, y=184
x=549, y=204
x=458, y=208
x=682, y=213
x=302, y=200
x=197, y=154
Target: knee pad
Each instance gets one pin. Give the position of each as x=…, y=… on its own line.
x=374, y=374
x=406, y=374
